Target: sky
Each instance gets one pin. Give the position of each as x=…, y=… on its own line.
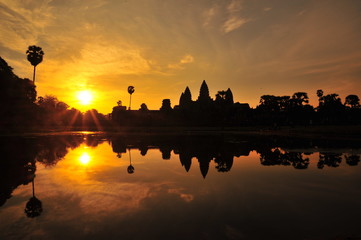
x=162, y=46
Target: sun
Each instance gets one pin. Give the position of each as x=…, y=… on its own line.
x=84, y=158
x=85, y=97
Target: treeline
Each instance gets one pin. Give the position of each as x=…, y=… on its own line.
x=296, y=110
x=21, y=109
x=222, y=111
x=21, y=156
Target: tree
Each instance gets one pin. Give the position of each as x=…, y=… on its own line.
x=130, y=91
x=17, y=108
x=353, y=101
x=271, y=103
x=319, y=93
x=33, y=207
x=225, y=97
x=35, y=56
x=299, y=98
x=221, y=96
x=143, y=107
x=130, y=168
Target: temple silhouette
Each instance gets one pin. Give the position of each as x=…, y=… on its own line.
x=204, y=111
x=22, y=110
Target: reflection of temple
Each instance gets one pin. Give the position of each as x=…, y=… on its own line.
x=222, y=150
x=19, y=155
x=203, y=148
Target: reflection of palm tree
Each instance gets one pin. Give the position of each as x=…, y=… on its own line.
x=130, y=91
x=35, y=56
x=130, y=168
x=352, y=160
x=33, y=207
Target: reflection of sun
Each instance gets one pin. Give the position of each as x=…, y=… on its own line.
x=84, y=158
x=85, y=97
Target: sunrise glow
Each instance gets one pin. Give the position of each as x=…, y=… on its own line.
x=85, y=97
x=84, y=158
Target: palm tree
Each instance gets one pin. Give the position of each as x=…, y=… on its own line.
x=130, y=168
x=35, y=56
x=34, y=206
x=130, y=91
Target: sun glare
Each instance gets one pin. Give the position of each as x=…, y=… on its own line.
x=85, y=97
x=84, y=158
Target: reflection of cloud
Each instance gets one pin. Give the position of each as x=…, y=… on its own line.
x=180, y=192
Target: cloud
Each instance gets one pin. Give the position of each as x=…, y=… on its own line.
x=235, y=6
x=185, y=60
x=234, y=20
x=233, y=23
x=209, y=15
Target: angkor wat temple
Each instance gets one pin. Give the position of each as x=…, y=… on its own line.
x=202, y=112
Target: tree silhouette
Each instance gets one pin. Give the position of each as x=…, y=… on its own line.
x=352, y=160
x=35, y=56
x=353, y=101
x=143, y=107
x=34, y=206
x=130, y=168
x=299, y=98
x=130, y=91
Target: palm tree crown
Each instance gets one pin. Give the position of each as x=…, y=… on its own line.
x=131, y=89
x=35, y=55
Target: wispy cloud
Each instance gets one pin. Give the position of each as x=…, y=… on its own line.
x=180, y=65
x=234, y=20
x=233, y=23
x=235, y=6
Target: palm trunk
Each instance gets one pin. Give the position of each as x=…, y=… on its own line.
x=33, y=188
x=130, y=101
x=130, y=157
x=34, y=75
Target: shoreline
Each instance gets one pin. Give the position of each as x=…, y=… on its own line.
x=329, y=132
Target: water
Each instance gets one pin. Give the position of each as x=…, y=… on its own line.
x=92, y=186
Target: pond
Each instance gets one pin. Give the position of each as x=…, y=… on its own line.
x=99, y=186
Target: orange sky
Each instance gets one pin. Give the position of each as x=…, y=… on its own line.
x=160, y=47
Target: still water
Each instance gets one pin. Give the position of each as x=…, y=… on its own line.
x=95, y=186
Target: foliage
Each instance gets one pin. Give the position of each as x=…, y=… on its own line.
x=35, y=55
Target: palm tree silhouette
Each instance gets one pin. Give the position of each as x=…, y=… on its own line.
x=130, y=168
x=130, y=91
x=34, y=206
x=35, y=56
